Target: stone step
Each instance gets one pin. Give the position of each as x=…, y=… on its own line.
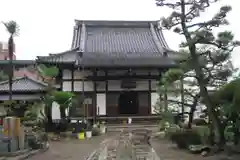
x=130, y=129
x=131, y=125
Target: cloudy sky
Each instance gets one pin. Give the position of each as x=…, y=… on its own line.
x=46, y=25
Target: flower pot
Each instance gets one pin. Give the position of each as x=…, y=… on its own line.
x=88, y=134
x=103, y=129
x=81, y=135
x=129, y=120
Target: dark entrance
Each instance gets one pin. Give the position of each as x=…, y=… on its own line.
x=128, y=102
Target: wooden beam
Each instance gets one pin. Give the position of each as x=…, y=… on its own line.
x=104, y=78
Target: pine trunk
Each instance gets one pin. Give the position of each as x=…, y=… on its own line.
x=219, y=134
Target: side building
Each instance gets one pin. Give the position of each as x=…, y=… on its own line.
x=115, y=65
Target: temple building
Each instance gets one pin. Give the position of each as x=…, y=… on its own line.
x=115, y=65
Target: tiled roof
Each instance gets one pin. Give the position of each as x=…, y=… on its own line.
x=120, y=40
x=23, y=84
x=17, y=63
x=118, y=43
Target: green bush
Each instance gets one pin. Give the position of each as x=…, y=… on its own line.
x=204, y=132
x=200, y=122
x=96, y=131
x=185, y=137
x=171, y=130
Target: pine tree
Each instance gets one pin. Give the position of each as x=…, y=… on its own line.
x=197, y=34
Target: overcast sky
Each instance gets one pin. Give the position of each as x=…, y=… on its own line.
x=46, y=26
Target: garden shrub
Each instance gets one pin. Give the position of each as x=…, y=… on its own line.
x=171, y=130
x=96, y=131
x=199, y=122
x=204, y=133
x=185, y=137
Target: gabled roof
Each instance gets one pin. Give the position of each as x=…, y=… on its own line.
x=23, y=84
x=118, y=43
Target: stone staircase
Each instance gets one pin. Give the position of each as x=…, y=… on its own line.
x=130, y=127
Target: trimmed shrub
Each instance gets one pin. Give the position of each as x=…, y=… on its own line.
x=96, y=131
x=204, y=132
x=171, y=130
x=200, y=122
x=184, y=138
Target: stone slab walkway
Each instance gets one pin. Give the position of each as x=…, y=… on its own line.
x=71, y=149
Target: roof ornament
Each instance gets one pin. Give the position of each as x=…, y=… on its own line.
x=75, y=37
x=159, y=24
x=155, y=39
x=82, y=38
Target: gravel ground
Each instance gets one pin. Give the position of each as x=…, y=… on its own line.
x=167, y=151
x=71, y=149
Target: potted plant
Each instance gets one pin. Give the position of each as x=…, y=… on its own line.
x=88, y=131
x=81, y=134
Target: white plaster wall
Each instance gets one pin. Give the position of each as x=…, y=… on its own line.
x=78, y=74
x=101, y=104
x=142, y=86
x=67, y=74
x=88, y=86
x=56, y=111
x=67, y=86
x=154, y=85
x=154, y=100
x=154, y=73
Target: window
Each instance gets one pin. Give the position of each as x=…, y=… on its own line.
x=4, y=46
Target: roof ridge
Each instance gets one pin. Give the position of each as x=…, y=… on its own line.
x=156, y=40
x=130, y=23
x=35, y=80
x=14, y=79
x=58, y=54
x=24, y=77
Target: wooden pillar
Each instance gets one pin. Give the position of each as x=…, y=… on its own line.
x=106, y=91
x=149, y=95
x=72, y=71
x=61, y=78
x=94, y=110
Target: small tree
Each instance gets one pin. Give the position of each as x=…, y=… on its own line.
x=13, y=29
x=181, y=93
x=64, y=99
x=197, y=34
x=227, y=98
x=48, y=75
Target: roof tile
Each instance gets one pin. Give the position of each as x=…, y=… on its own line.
x=23, y=84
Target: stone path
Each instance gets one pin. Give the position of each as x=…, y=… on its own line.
x=126, y=145
x=71, y=149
